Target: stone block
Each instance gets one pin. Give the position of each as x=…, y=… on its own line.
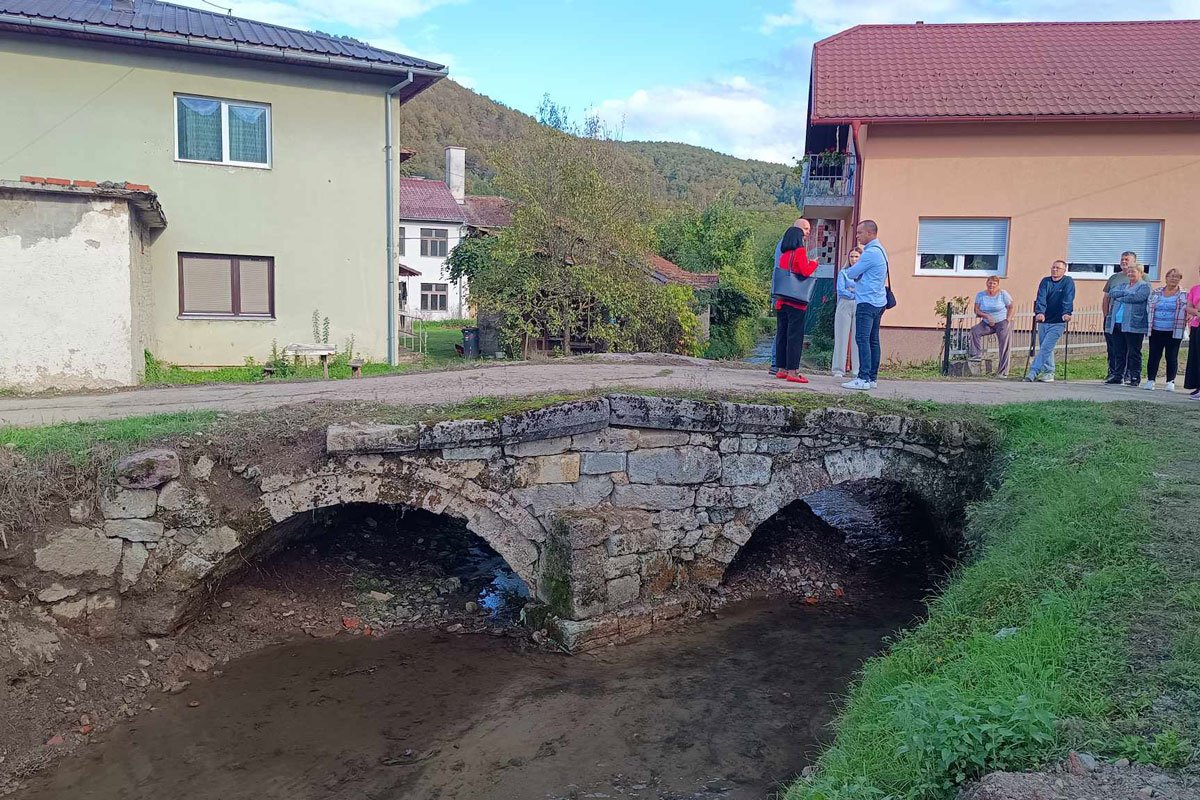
x=562, y=468
x=79, y=551
x=745, y=469
x=132, y=564
x=738, y=534
x=702, y=440
x=177, y=497
x=649, y=439
x=485, y=453
x=81, y=511
x=56, y=592
x=134, y=530
x=683, y=465
x=214, y=543
x=539, y=447
x=70, y=609
x=458, y=433
x=666, y=413
x=777, y=445
x=623, y=591
x=887, y=423
x=653, y=498
x=566, y=419
x=120, y=503
x=751, y=418
x=202, y=468
x=586, y=492
x=148, y=469
x=371, y=438
x=579, y=636
x=723, y=550
x=730, y=444
x=853, y=464
x=621, y=565
x=608, y=440
x=600, y=463
x=721, y=515
x=582, y=531
x=679, y=520
x=722, y=496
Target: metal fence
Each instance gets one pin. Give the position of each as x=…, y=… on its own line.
x=1084, y=337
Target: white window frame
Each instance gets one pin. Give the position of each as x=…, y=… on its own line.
x=1113, y=269
x=959, y=267
x=435, y=292
x=435, y=239
x=225, y=103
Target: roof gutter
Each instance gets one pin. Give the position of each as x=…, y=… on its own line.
x=1013, y=117
x=213, y=47
x=390, y=205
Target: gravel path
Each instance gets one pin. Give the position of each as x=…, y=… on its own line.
x=574, y=375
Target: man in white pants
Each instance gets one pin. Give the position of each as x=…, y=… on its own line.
x=843, y=320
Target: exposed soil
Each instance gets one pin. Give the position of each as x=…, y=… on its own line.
x=1081, y=778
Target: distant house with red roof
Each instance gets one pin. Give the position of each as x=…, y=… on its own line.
x=994, y=149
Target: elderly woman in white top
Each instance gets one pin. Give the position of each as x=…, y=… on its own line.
x=843, y=320
x=993, y=306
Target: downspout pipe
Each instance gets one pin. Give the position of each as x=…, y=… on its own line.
x=858, y=178
x=390, y=183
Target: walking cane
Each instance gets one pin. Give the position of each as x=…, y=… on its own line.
x=1066, y=347
x=1032, y=344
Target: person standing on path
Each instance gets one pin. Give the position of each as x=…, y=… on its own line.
x=1118, y=278
x=870, y=277
x=1129, y=325
x=792, y=287
x=1051, y=311
x=1191, y=376
x=843, y=320
x=993, y=306
x=1167, y=310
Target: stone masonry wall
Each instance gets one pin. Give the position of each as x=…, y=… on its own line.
x=609, y=508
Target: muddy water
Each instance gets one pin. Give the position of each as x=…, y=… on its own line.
x=731, y=706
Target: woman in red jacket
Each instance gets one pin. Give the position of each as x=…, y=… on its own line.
x=791, y=288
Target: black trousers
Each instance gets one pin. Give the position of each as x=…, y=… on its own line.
x=1163, y=342
x=1127, y=355
x=789, y=337
x=1191, y=378
x=1110, y=348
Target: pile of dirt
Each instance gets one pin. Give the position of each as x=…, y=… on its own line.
x=1082, y=777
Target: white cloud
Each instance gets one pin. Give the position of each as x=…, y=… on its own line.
x=824, y=19
x=362, y=16
x=732, y=115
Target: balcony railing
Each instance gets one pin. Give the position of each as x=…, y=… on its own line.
x=828, y=176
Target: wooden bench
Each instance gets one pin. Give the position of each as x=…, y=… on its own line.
x=321, y=351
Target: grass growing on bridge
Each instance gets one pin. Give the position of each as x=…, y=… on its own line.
x=1039, y=644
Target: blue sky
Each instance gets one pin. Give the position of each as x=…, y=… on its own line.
x=732, y=76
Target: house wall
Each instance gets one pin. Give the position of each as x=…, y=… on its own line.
x=1040, y=175
x=65, y=288
x=84, y=111
x=432, y=269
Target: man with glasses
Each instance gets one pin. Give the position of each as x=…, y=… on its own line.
x=1052, y=311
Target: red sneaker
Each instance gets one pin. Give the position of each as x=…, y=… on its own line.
x=797, y=379
x=781, y=375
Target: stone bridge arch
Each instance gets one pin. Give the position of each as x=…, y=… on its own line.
x=610, y=508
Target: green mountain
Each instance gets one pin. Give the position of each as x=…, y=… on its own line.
x=450, y=114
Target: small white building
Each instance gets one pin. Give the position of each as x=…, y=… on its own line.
x=434, y=217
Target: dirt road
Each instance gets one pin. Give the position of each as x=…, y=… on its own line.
x=570, y=375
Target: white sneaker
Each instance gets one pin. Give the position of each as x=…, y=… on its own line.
x=873, y=384
x=1170, y=386
x=857, y=383
x=1046, y=377
x=839, y=374
x=1148, y=386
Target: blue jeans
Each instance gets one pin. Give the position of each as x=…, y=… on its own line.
x=1048, y=336
x=866, y=337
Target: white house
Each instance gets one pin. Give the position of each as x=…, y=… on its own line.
x=434, y=218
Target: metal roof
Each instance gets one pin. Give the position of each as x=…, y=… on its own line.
x=1008, y=70
x=155, y=23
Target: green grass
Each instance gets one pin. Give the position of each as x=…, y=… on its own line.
x=442, y=336
x=1064, y=568
x=76, y=439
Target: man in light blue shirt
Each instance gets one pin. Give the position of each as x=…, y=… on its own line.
x=870, y=277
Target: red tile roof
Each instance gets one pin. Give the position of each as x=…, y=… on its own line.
x=666, y=272
x=429, y=200
x=484, y=211
x=1035, y=69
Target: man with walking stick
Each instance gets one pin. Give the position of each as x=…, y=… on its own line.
x=1051, y=312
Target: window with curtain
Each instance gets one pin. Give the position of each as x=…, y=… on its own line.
x=400, y=239
x=962, y=246
x=222, y=131
x=226, y=286
x=1094, y=246
x=435, y=296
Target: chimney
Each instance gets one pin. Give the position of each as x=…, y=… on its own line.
x=456, y=172
x=122, y=5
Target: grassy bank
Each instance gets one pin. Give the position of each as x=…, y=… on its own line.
x=1075, y=626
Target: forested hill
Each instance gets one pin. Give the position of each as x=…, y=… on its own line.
x=452, y=114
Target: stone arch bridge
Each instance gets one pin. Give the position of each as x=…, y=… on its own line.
x=609, y=508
